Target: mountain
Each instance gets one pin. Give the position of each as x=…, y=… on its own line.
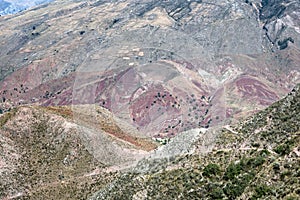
x=256, y=159
x=96, y=93
x=162, y=67
x=12, y=7
x=52, y=157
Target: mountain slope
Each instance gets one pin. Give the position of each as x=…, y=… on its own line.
x=143, y=99
x=162, y=67
x=44, y=151
x=259, y=158
x=12, y=7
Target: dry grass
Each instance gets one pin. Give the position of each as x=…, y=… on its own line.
x=7, y=116
x=64, y=111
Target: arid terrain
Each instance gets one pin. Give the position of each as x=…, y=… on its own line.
x=14, y=6
x=96, y=93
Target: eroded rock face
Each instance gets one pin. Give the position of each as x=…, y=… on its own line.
x=162, y=66
x=281, y=22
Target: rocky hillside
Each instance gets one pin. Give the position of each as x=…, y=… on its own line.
x=141, y=99
x=45, y=150
x=256, y=159
x=47, y=154
x=162, y=67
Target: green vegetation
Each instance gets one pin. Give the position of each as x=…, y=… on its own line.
x=261, y=190
x=285, y=148
x=211, y=170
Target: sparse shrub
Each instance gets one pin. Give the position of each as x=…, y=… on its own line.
x=276, y=167
x=260, y=191
x=216, y=193
x=211, y=169
x=258, y=161
x=283, y=149
x=231, y=171
x=233, y=190
x=284, y=174
x=264, y=153
x=255, y=144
